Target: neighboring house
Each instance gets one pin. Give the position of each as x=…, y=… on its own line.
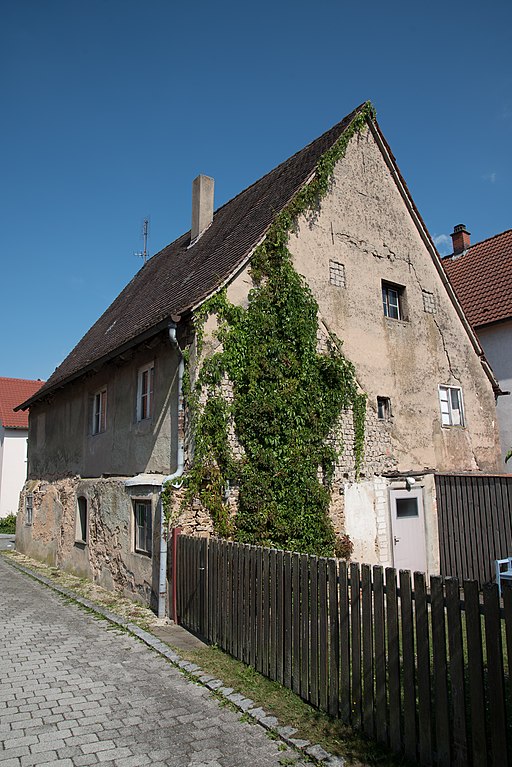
x=13, y=441
x=481, y=275
x=109, y=426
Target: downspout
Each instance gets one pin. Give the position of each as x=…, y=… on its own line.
x=173, y=478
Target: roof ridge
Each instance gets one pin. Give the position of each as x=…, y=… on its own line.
x=487, y=239
x=23, y=380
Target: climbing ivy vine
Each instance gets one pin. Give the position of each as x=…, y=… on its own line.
x=287, y=397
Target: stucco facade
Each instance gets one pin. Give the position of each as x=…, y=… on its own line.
x=497, y=343
x=364, y=245
x=13, y=468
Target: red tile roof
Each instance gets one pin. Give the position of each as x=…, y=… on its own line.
x=13, y=391
x=482, y=279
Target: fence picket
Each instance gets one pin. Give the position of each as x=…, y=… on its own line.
x=458, y=697
x=288, y=619
x=496, y=690
x=368, y=652
x=423, y=670
x=381, y=725
x=355, y=643
x=315, y=641
x=408, y=666
x=475, y=673
x=441, y=710
x=395, y=728
x=334, y=635
x=296, y=624
x=304, y=630
x=345, y=698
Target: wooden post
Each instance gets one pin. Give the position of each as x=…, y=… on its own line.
x=175, y=534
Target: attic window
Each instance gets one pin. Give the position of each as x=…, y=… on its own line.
x=393, y=301
x=337, y=274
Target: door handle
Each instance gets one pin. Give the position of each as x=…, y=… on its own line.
x=396, y=539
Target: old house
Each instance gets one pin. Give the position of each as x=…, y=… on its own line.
x=116, y=420
x=13, y=441
x=481, y=275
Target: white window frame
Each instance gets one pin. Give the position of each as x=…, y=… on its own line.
x=451, y=405
x=143, y=526
x=145, y=392
x=99, y=411
x=82, y=519
x=29, y=508
x=392, y=300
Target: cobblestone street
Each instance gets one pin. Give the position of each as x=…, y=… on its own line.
x=76, y=691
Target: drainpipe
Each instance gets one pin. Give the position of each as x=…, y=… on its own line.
x=173, y=478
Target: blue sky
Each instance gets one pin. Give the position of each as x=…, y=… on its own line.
x=111, y=107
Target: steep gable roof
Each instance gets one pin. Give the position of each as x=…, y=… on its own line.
x=12, y=392
x=482, y=279
x=178, y=278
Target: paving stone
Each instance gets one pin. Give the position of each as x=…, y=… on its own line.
x=93, y=696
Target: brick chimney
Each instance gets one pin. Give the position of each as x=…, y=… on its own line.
x=202, y=206
x=460, y=239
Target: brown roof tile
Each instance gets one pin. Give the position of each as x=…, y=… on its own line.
x=482, y=279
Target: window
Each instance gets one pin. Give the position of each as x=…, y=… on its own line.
x=145, y=392
x=143, y=527
x=383, y=408
x=81, y=520
x=393, y=301
x=450, y=400
x=29, y=508
x=99, y=414
x=337, y=274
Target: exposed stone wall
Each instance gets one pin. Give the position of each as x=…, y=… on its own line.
x=108, y=555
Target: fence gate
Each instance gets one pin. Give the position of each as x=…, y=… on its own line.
x=192, y=583
x=475, y=528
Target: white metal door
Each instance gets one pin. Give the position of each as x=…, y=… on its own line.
x=408, y=526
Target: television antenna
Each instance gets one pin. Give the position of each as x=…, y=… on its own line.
x=145, y=229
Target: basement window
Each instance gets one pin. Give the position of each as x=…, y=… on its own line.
x=450, y=401
x=145, y=392
x=143, y=537
x=29, y=508
x=81, y=520
x=99, y=413
x=393, y=301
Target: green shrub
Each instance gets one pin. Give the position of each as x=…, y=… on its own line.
x=8, y=524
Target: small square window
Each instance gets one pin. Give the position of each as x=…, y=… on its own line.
x=393, y=301
x=143, y=533
x=383, y=408
x=29, y=508
x=337, y=274
x=99, y=414
x=81, y=520
x=450, y=401
x=145, y=386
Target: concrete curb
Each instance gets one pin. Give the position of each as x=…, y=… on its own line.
x=314, y=752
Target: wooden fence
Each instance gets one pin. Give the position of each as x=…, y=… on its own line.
x=421, y=668
x=475, y=524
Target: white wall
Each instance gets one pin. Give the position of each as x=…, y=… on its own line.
x=13, y=468
x=497, y=344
